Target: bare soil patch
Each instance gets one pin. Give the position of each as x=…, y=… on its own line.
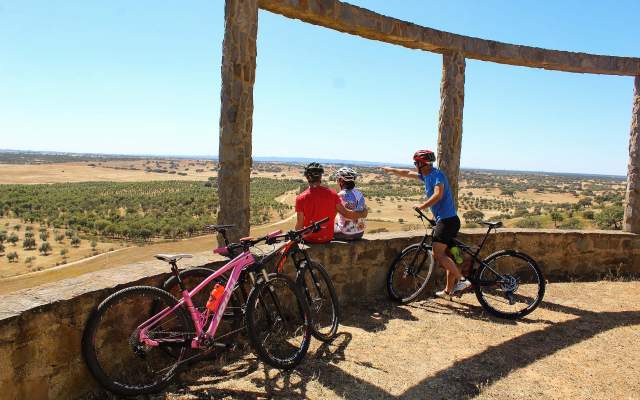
x=580, y=344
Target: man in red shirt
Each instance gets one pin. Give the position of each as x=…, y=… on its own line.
x=318, y=202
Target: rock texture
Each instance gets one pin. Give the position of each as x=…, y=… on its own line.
x=236, y=114
x=348, y=18
x=450, y=123
x=631, y=221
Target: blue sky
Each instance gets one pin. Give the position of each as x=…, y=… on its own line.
x=144, y=77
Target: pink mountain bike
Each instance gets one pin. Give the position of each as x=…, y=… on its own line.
x=138, y=338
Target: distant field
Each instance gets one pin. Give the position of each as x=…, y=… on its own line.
x=119, y=201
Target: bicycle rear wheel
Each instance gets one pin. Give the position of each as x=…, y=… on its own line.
x=317, y=288
x=510, y=284
x=277, y=319
x=112, y=349
x=410, y=273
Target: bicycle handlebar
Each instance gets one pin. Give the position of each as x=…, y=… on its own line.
x=422, y=215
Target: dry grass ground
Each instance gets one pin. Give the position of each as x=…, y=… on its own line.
x=39, y=261
x=582, y=343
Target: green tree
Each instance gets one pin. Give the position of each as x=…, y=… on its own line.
x=29, y=235
x=13, y=256
x=94, y=244
x=45, y=248
x=29, y=261
x=588, y=214
x=556, y=217
x=610, y=218
x=2, y=248
x=59, y=237
x=75, y=241
x=473, y=216
x=13, y=239
x=44, y=235
x=29, y=243
x=3, y=236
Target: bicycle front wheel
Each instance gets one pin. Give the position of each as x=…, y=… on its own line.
x=509, y=284
x=317, y=288
x=410, y=273
x=277, y=320
x=112, y=348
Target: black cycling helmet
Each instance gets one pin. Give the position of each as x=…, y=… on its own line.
x=313, y=170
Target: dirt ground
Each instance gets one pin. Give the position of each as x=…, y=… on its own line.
x=582, y=343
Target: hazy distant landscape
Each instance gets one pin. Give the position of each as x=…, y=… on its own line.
x=57, y=208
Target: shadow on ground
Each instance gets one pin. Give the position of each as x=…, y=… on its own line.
x=463, y=379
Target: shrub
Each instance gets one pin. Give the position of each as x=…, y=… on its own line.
x=1, y=248
x=473, y=216
x=44, y=248
x=29, y=260
x=571, y=223
x=610, y=218
x=75, y=241
x=529, y=222
x=13, y=256
x=13, y=239
x=44, y=235
x=588, y=214
x=29, y=243
x=3, y=236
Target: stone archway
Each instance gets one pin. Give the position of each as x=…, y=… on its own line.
x=238, y=76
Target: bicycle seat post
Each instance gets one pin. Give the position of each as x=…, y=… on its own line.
x=176, y=273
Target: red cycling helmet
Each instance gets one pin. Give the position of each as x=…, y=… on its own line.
x=424, y=156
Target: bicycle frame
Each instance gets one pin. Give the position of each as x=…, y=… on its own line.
x=237, y=265
x=474, y=256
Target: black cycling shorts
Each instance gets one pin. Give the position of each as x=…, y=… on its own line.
x=446, y=229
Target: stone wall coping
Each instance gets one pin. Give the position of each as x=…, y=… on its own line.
x=347, y=18
x=42, y=298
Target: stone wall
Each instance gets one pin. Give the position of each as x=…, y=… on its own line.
x=41, y=328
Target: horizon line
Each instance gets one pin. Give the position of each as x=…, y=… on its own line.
x=289, y=159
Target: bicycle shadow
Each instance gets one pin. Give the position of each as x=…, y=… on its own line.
x=374, y=317
x=272, y=382
x=472, y=311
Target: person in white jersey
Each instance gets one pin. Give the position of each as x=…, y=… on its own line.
x=353, y=200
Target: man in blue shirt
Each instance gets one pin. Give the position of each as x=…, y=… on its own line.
x=440, y=200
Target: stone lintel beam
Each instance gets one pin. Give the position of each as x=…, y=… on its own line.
x=450, y=121
x=344, y=17
x=631, y=222
x=236, y=113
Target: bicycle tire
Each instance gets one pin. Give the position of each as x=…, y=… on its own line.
x=311, y=291
x=510, y=296
x=262, y=298
x=402, y=264
x=232, y=318
x=119, y=381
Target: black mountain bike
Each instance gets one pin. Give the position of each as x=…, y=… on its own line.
x=508, y=283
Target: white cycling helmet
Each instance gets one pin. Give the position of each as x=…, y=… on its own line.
x=346, y=174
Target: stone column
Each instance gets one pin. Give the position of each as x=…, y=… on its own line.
x=631, y=222
x=236, y=113
x=450, y=123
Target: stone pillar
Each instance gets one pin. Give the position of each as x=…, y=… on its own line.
x=450, y=123
x=236, y=113
x=631, y=222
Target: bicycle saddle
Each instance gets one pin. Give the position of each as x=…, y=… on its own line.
x=218, y=227
x=492, y=224
x=171, y=258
